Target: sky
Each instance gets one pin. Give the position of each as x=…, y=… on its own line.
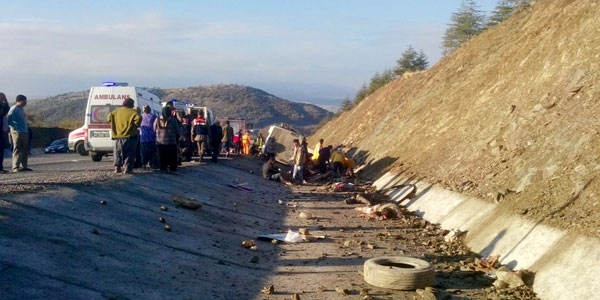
x=307, y=51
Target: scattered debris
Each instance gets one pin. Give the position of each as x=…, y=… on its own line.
x=344, y=187
x=380, y=211
x=161, y=219
x=293, y=237
x=268, y=290
x=248, y=243
x=103, y=202
x=453, y=235
x=186, y=202
x=486, y=264
x=167, y=227
x=341, y=291
x=305, y=215
x=163, y=208
x=240, y=187
x=303, y=231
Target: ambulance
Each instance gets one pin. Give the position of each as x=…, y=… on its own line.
x=101, y=101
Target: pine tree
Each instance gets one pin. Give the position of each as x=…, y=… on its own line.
x=504, y=9
x=346, y=104
x=411, y=61
x=466, y=23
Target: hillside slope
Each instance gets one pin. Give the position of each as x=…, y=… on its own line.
x=512, y=117
x=226, y=100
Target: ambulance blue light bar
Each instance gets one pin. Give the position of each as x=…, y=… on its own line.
x=112, y=83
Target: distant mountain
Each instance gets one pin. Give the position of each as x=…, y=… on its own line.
x=226, y=100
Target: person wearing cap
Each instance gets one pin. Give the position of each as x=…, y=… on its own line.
x=124, y=123
x=19, y=132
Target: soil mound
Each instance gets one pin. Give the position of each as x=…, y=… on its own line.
x=511, y=117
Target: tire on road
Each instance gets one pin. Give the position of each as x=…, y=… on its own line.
x=399, y=272
x=80, y=148
x=96, y=156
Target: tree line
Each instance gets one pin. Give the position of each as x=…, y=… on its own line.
x=467, y=22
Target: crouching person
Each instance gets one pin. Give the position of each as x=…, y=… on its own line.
x=270, y=171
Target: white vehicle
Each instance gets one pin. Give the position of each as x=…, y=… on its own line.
x=77, y=141
x=101, y=101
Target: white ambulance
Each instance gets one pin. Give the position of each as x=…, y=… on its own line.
x=101, y=101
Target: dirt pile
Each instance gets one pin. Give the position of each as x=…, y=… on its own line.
x=511, y=117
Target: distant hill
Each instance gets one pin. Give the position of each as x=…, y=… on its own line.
x=226, y=100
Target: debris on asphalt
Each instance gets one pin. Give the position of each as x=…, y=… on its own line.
x=341, y=291
x=163, y=208
x=103, y=202
x=186, y=202
x=293, y=237
x=305, y=215
x=161, y=219
x=248, y=243
x=380, y=211
x=268, y=290
x=167, y=227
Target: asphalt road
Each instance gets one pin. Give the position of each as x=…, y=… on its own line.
x=71, y=229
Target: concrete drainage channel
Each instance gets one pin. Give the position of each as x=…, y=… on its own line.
x=565, y=265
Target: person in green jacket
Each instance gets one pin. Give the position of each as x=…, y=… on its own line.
x=124, y=124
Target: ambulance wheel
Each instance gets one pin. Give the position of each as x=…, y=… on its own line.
x=80, y=148
x=399, y=273
x=96, y=156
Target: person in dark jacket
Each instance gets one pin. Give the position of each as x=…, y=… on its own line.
x=324, y=155
x=167, y=134
x=270, y=171
x=4, y=108
x=216, y=134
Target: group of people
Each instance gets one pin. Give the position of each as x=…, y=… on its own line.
x=320, y=161
x=164, y=140
x=14, y=123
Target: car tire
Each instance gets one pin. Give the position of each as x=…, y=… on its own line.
x=96, y=157
x=399, y=273
x=80, y=148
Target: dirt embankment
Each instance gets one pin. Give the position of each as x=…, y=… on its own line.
x=511, y=117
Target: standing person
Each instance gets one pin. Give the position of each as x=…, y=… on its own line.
x=227, y=137
x=260, y=142
x=148, y=138
x=299, y=158
x=175, y=114
x=19, y=132
x=216, y=134
x=246, y=142
x=200, y=133
x=270, y=147
x=167, y=129
x=324, y=155
x=124, y=123
x=318, y=147
x=4, y=108
x=237, y=141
